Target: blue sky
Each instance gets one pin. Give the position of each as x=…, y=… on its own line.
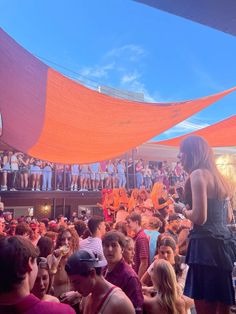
x=130, y=46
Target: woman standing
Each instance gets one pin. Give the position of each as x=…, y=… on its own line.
x=212, y=248
x=75, y=176
x=6, y=169
x=35, y=169
x=24, y=171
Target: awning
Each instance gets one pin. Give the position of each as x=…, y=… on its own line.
x=221, y=134
x=54, y=118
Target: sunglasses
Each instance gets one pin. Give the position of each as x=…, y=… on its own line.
x=42, y=261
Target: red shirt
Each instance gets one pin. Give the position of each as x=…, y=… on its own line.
x=141, y=249
x=124, y=277
x=32, y=305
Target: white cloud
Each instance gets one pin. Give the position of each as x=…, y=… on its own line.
x=121, y=68
x=130, y=78
x=97, y=71
x=185, y=126
x=130, y=52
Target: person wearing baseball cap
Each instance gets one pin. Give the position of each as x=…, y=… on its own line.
x=85, y=272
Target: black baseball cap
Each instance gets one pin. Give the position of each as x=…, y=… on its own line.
x=76, y=260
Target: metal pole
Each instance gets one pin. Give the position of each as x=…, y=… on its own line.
x=134, y=177
x=54, y=208
x=64, y=178
x=127, y=174
x=64, y=207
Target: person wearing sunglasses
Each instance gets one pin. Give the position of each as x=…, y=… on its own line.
x=42, y=285
x=18, y=271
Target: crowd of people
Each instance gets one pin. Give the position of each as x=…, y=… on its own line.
x=164, y=250
x=121, y=251
x=21, y=172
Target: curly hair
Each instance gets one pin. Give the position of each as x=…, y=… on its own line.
x=74, y=236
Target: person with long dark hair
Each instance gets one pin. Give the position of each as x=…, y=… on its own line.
x=212, y=247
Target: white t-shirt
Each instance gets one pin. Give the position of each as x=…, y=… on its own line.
x=14, y=163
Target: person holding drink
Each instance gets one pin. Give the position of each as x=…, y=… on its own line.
x=212, y=247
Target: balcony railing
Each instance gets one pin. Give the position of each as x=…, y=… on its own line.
x=63, y=180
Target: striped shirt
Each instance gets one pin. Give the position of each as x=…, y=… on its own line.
x=141, y=249
x=93, y=244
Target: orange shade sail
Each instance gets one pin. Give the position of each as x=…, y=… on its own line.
x=221, y=134
x=54, y=118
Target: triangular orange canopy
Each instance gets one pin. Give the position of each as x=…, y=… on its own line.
x=221, y=134
x=54, y=118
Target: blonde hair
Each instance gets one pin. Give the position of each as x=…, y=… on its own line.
x=165, y=281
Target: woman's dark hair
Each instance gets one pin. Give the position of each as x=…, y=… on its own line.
x=86, y=234
x=199, y=155
x=15, y=253
x=108, y=226
x=52, y=235
x=169, y=241
x=22, y=228
x=177, y=266
x=162, y=219
x=165, y=240
x=80, y=227
x=122, y=227
x=180, y=192
x=45, y=221
x=45, y=245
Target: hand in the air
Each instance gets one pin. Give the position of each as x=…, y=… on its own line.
x=178, y=207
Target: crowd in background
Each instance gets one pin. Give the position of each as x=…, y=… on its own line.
x=155, y=248
x=139, y=239
x=21, y=172
x=136, y=233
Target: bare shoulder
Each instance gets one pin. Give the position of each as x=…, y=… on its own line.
x=198, y=173
x=200, y=176
x=203, y=178
x=50, y=298
x=120, y=304
x=180, y=305
x=152, y=305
